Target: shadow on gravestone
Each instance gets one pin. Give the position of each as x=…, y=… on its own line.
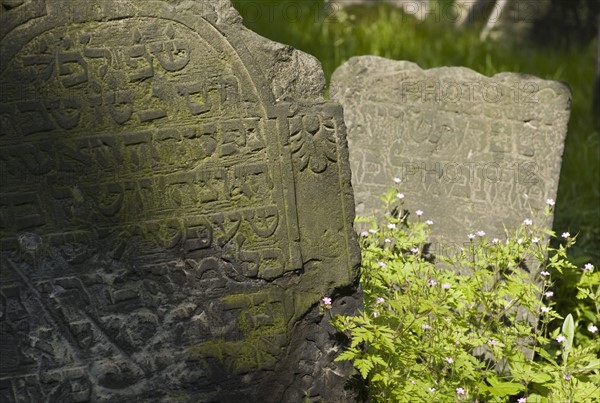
x=175, y=201
x=473, y=152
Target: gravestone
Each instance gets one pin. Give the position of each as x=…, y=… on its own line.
x=417, y=8
x=504, y=19
x=474, y=153
x=548, y=23
x=175, y=200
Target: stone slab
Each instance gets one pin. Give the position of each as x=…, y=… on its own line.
x=473, y=152
x=175, y=199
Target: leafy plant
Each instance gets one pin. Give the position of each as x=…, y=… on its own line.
x=476, y=325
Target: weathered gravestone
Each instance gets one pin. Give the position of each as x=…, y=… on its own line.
x=473, y=152
x=175, y=200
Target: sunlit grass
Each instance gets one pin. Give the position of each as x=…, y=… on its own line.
x=386, y=31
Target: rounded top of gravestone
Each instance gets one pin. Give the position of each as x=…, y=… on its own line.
x=290, y=73
x=370, y=70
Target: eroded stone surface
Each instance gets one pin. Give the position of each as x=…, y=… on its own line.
x=175, y=200
x=473, y=152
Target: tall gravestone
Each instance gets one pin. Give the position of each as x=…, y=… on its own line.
x=175, y=200
x=473, y=152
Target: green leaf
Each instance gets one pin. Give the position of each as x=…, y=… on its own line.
x=363, y=366
x=506, y=389
x=502, y=389
x=348, y=355
x=541, y=378
x=592, y=365
x=378, y=360
x=534, y=398
x=547, y=357
x=568, y=330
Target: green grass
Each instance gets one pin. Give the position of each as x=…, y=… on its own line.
x=386, y=31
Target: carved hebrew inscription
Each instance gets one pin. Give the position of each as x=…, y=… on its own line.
x=474, y=153
x=181, y=157
x=148, y=213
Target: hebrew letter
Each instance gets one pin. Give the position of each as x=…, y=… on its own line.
x=172, y=55
x=33, y=117
x=106, y=151
x=423, y=130
x=138, y=55
x=100, y=53
x=66, y=113
x=120, y=105
x=170, y=233
x=72, y=78
x=151, y=114
x=264, y=221
x=26, y=211
x=499, y=140
x=254, y=137
x=229, y=226
x=199, y=234
x=196, y=97
x=208, y=181
x=7, y=124
x=109, y=198
x=40, y=60
x=37, y=158
x=230, y=90
x=525, y=140
x=233, y=137
x=250, y=259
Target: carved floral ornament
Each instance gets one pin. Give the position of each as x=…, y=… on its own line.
x=313, y=142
